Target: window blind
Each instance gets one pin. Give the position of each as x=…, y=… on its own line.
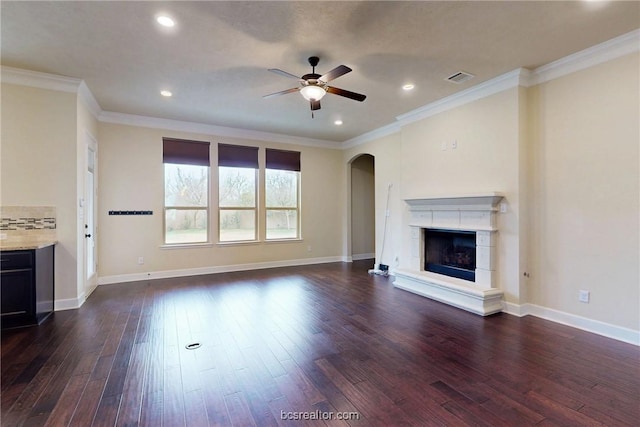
x=283, y=160
x=238, y=156
x=185, y=152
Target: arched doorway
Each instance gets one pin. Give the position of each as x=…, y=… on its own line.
x=363, y=229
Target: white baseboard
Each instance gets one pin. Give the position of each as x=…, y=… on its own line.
x=595, y=326
x=68, y=304
x=357, y=257
x=167, y=274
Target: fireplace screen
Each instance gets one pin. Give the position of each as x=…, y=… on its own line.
x=450, y=252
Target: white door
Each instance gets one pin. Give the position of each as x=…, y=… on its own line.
x=90, y=218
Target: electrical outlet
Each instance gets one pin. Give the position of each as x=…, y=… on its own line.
x=583, y=296
x=140, y=260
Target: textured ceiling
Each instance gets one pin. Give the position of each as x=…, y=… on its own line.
x=215, y=60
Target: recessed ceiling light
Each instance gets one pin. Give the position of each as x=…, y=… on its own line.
x=408, y=86
x=337, y=122
x=166, y=93
x=165, y=21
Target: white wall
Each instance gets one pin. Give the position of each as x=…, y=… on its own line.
x=131, y=178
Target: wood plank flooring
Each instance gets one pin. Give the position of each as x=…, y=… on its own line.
x=311, y=346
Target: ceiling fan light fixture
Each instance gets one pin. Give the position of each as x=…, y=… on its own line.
x=313, y=92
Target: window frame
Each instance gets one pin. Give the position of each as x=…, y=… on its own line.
x=199, y=157
x=297, y=209
x=290, y=161
x=255, y=209
x=240, y=157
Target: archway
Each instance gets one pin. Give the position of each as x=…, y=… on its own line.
x=363, y=229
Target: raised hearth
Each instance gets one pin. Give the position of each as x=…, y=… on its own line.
x=473, y=215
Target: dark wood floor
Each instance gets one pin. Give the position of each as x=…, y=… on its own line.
x=326, y=340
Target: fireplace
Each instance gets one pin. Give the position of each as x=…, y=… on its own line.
x=451, y=253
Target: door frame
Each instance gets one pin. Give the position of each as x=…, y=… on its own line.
x=90, y=196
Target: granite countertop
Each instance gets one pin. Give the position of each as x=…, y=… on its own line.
x=19, y=243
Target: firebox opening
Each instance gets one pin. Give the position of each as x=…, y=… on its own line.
x=450, y=252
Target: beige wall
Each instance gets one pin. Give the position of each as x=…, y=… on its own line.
x=566, y=156
x=586, y=192
x=386, y=153
x=487, y=134
x=38, y=166
x=131, y=178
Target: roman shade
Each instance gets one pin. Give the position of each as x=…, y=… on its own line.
x=238, y=156
x=283, y=160
x=185, y=152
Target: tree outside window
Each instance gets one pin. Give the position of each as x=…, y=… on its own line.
x=281, y=193
x=237, y=203
x=186, y=203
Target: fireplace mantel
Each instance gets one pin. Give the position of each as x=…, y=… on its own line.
x=469, y=202
x=474, y=212
x=470, y=212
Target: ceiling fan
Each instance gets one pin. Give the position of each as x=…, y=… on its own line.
x=314, y=86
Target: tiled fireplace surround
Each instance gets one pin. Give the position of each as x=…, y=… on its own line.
x=475, y=213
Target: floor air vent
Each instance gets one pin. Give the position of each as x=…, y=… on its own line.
x=460, y=77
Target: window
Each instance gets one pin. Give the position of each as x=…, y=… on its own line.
x=186, y=191
x=282, y=189
x=237, y=177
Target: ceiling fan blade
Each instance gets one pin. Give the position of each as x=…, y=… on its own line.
x=340, y=70
x=346, y=93
x=282, y=92
x=315, y=105
x=283, y=73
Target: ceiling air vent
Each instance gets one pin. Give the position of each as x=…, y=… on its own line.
x=460, y=77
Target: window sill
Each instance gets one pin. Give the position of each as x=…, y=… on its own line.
x=186, y=245
x=222, y=244
x=259, y=242
x=296, y=240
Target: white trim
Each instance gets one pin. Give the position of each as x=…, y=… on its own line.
x=193, y=127
x=135, y=277
x=608, y=330
x=380, y=132
x=69, y=303
x=598, y=54
x=358, y=257
x=451, y=292
x=40, y=80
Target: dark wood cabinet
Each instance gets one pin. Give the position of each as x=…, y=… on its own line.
x=26, y=286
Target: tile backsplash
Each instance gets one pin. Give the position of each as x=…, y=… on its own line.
x=27, y=220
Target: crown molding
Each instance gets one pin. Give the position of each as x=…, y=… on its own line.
x=40, y=80
x=595, y=55
x=519, y=77
x=192, y=127
x=380, y=132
